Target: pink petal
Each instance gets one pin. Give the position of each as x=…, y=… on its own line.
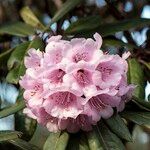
x=107, y=112
x=126, y=55
x=63, y=105
x=29, y=113
x=54, y=38
x=98, y=39
x=34, y=58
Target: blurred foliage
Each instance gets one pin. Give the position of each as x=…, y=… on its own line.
x=28, y=23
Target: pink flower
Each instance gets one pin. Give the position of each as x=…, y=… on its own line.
x=53, y=124
x=55, y=50
x=63, y=104
x=73, y=84
x=54, y=75
x=86, y=50
x=34, y=58
x=32, y=87
x=109, y=71
x=81, y=122
x=125, y=92
x=100, y=105
x=80, y=76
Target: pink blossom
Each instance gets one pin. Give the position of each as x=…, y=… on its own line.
x=80, y=75
x=85, y=49
x=81, y=122
x=54, y=75
x=34, y=58
x=53, y=124
x=100, y=105
x=55, y=50
x=125, y=92
x=73, y=84
x=63, y=104
x=109, y=71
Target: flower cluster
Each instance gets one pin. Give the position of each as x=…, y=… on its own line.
x=72, y=84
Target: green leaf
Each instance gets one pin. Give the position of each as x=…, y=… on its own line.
x=118, y=43
x=73, y=143
x=117, y=125
x=78, y=141
x=23, y=144
x=147, y=64
x=14, y=75
x=93, y=141
x=40, y=136
x=112, y=28
x=9, y=135
x=84, y=24
x=83, y=144
x=20, y=51
x=12, y=109
x=141, y=103
x=4, y=57
x=140, y=118
x=108, y=139
x=29, y=17
x=145, y=104
x=136, y=77
x=18, y=54
x=56, y=141
x=65, y=8
x=25, y=124
x=16, y=60
x=18, y=29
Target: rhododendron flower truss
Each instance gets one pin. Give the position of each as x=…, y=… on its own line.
x=73, y=84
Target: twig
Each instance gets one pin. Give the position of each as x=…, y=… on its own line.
x=58, y=3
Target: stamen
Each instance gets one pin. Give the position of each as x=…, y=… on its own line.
x=56, y=76
x=97, y=103
x=78, y=57
x=82, y=77
x=63, y=98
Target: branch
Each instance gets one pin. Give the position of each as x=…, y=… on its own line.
x=58, y=3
